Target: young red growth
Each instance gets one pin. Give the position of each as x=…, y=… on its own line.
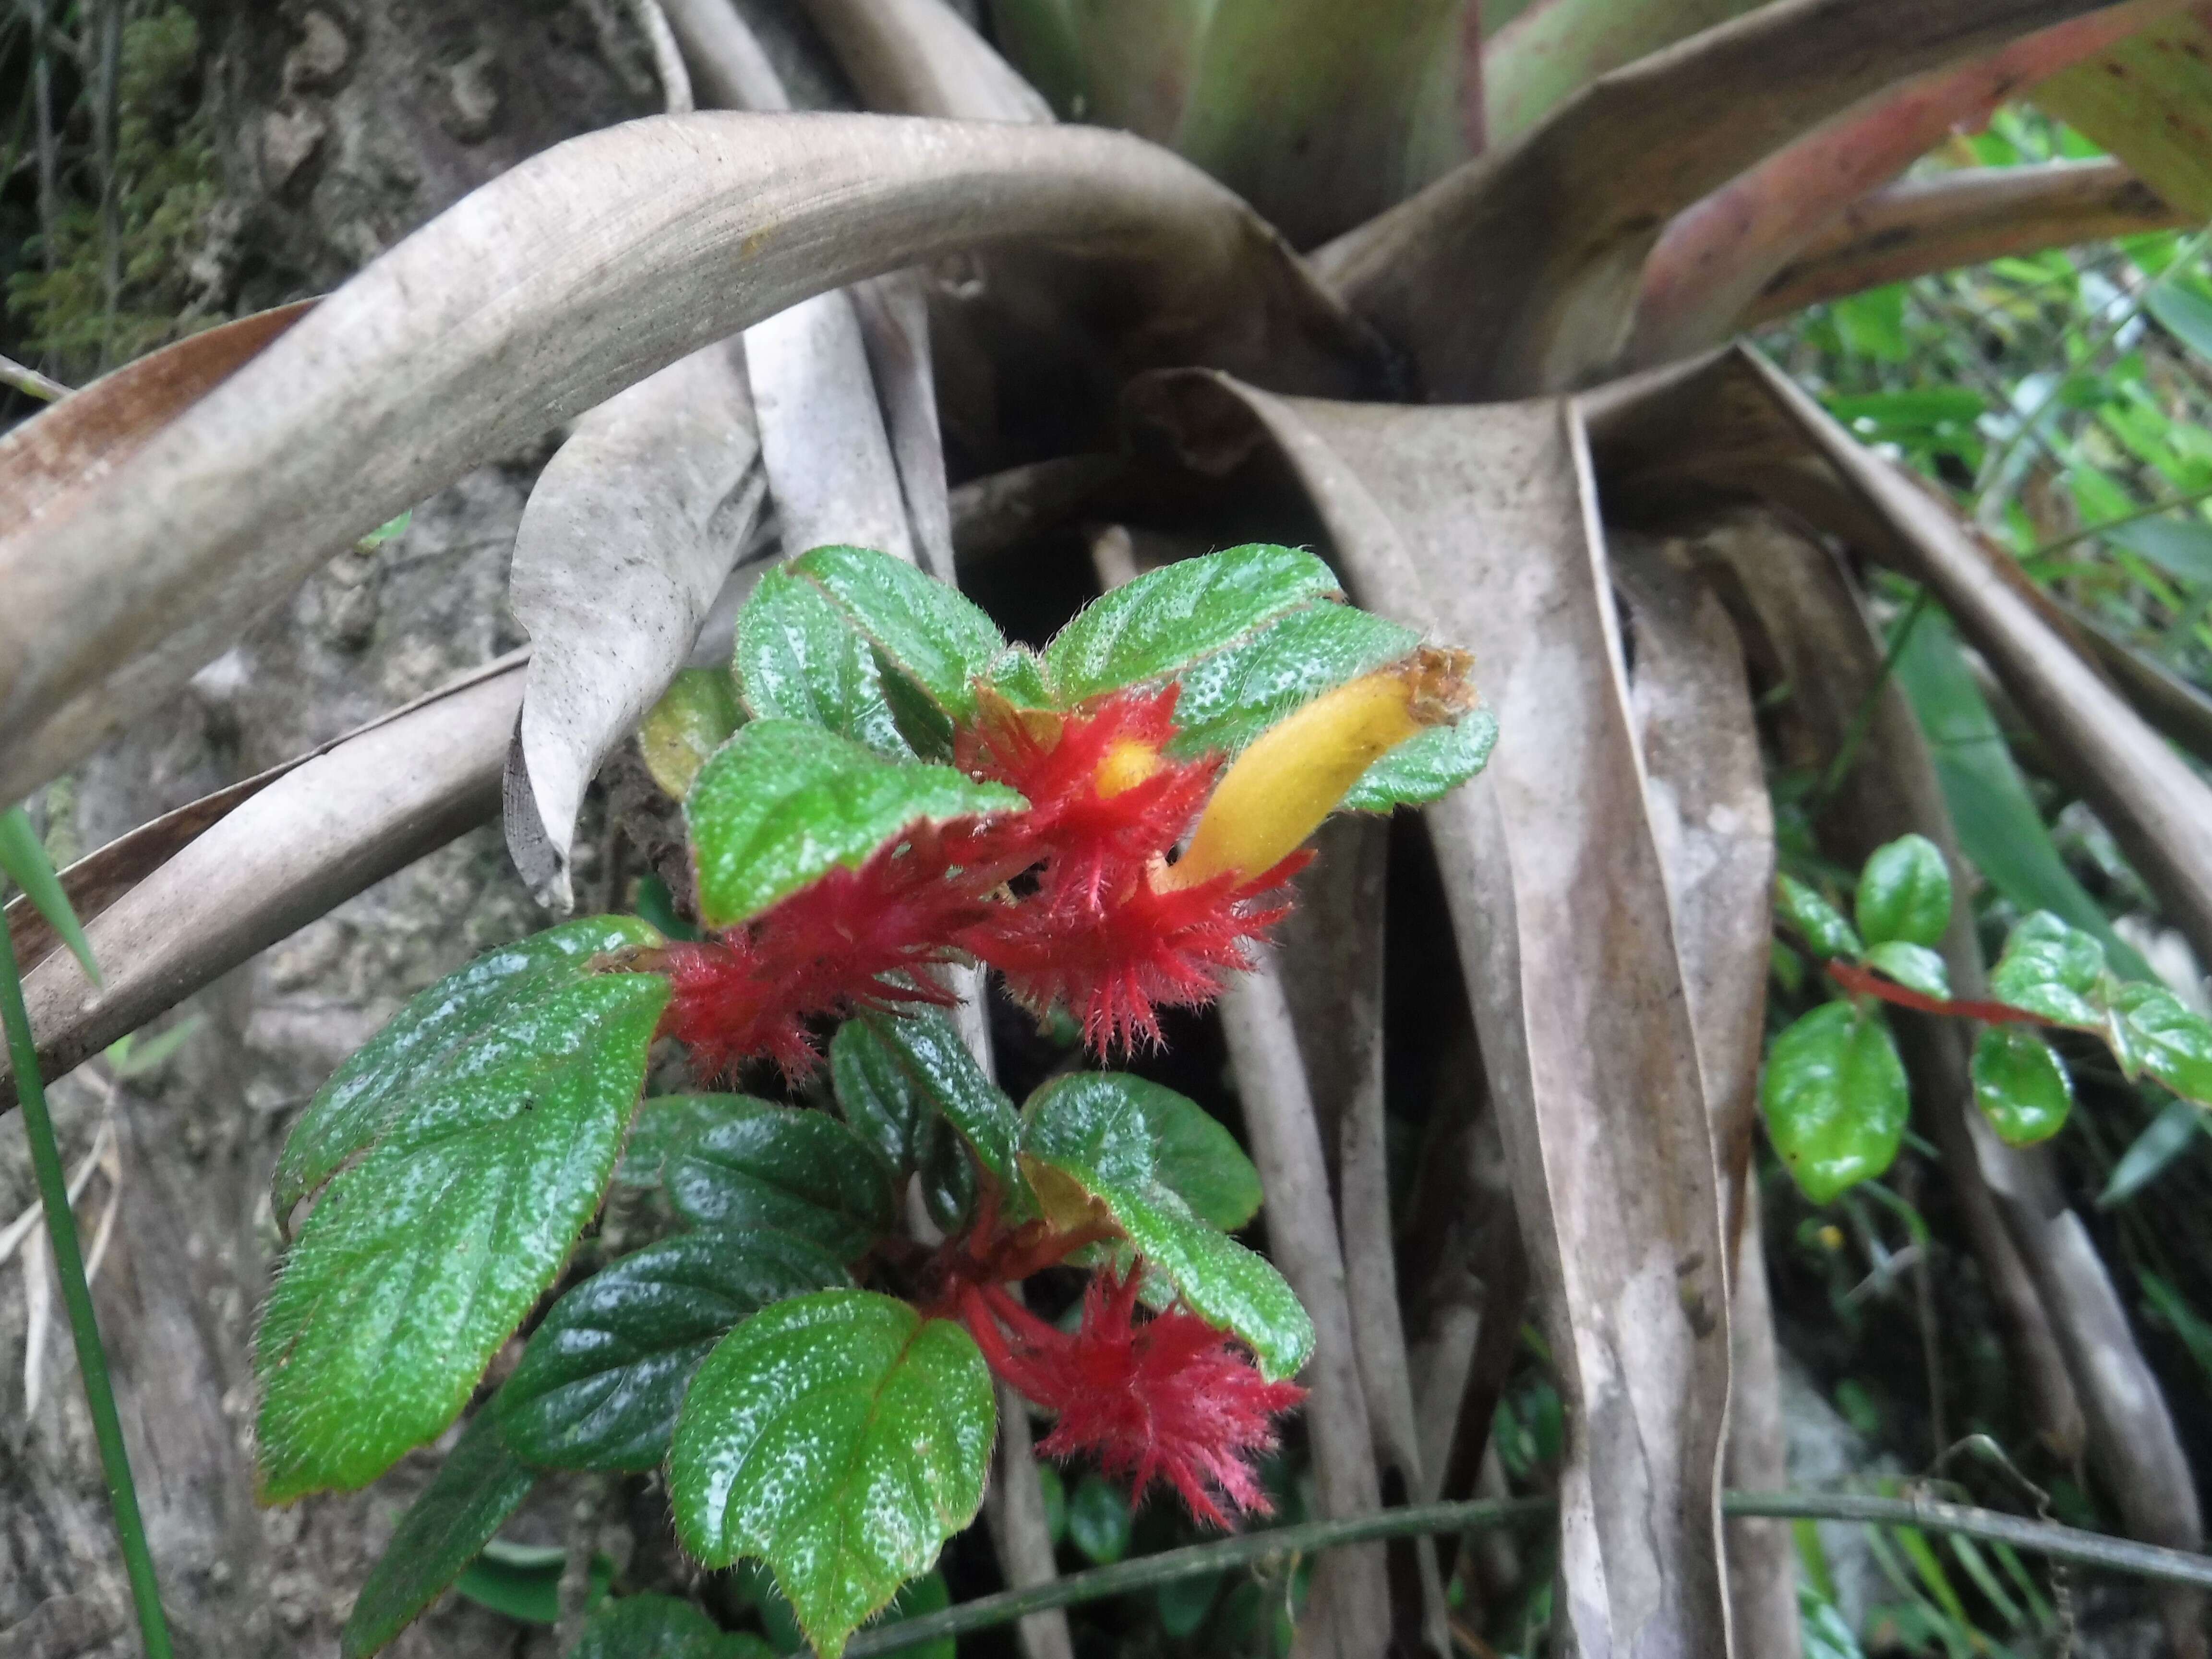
x=1166, y=1396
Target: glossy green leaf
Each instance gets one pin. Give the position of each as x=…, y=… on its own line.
x=1426, y=768
x=927, y=1593
x=781, y=1168
x=1196, y=1157
x=666, y=1124
x=1822, y=925
x=2054, y=971
x=2020, y=1084
x=599, y=1384
x=939, y=639
x=522, y=1582
x=488, y=1008
x=927, y=1047
x=661, y=1628
x=2184, y=314
x=479, y=1485
x=693, y=719
x=784, y=802
x=1835, y=1099
x=479, y=1158
x=1019, y=677
x=1904, y=893
x=1232, y=695
x=801, y=658
x=1086, y=1140
x=840, y=1438
x=1159, y=625
x=1915, y=967
x=23, y=860
x=2169, y=1040
x=2171, y=1133
x=1098, y=1520
x=880, y=1098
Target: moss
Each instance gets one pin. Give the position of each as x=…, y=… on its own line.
x=166, y=187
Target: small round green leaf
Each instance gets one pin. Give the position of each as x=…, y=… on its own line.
x=788, y=1169
x=1822, y=925
x=1098, y=1520
x=2170, y=1041
x=784, y=802
x=1915, y=967
x=599, y=1384
x=840, y=1437
x=2052, y=970
x=2020, y=1084
x=1904, y=893
x=1835, y=1099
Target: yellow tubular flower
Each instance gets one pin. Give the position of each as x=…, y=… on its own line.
x=1279, y=789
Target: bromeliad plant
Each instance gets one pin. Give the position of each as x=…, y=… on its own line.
x=1834, y=1093
x=904, y=791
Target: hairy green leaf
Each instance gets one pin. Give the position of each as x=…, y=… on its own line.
x=1822, y=925
x=2020, y=1084
x=801, y=658
x=476, y=1171
x=661, y=1628
x=1087, y=1140
x=840, y=1438
x=2054, y=971
x=1196, y=1158
x=599, y=1384
x=797, y=1171
x=2169, y=1040
x=928, y=1049
x=1904, y=893
x=1835, y=1099
x=1231, y=697
x=785, y=802
x=928, y=631
x=666, y=1124
x=1915, y=967
x=480, y=1484
x=1426, y=768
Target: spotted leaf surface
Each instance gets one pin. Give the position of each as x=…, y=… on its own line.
x=599, y=1384
x=842, y=1438
x=1427, y=768
x=784, y=802
x=1087, y=1140
x=794, y=1171
x=1232, y=695
x=799, y=658
x=927, y=1047
x=925, y=629
x=479, y=1158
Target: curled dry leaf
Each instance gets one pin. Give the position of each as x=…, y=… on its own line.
x=497, y=317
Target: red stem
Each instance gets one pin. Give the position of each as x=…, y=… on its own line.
x=1856, y=979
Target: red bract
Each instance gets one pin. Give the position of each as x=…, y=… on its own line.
x=1166, y=1396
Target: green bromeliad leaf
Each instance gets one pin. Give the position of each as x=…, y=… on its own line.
x=476, y=1134
x=801, y=658
x=599, y=1384
x=1822, y=925
x=840, y=1438
x=661, y=1628
x=2168, y=1040
x=1835, y=1098
x=2054, y=971
x=784, y=802
x=925, y=630
x=1905, y=894
x=479, y=1485
x=796, y=1171
x=1088, y=1143
x=2020, y=1084
x=1427, y=768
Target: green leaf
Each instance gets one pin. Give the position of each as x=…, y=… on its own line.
x=927, y=1047
x=1427, y=768
x=1183, y=1604
x=482, y=1160
x=927, y=630
x=801, y=658
x=1019, y=677
x=2170, y=1042
x=784, y=802
x=1098, y=1520
x=1915, y=967
x=2053, y=971
x=599, y=1384
x=1196, y=1157
x=927, y=1593
x=661, y=1628
x=2180, y=547
x=522, y=1582
x=665, y=1125
x=2185, y=1321
x=1230, y=697
x=1904, y=893
x=23, y=858
x=1167, y=620
x=840, y=1438
x=1835, y=1099
x=480, y=1484
x=1086, y=1142
x=798, y=1171
x=2020, y=1084
x=2171, y=1133
x=879, y=1096
x=693, y=719
x=1822, y=925
x=489, y=1009
x=2185, y=314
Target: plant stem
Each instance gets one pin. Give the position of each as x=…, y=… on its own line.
x=69, y=1262
x=1854, y=736
x=29, y=381
x=1197, y=1560
x=2090, y=533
